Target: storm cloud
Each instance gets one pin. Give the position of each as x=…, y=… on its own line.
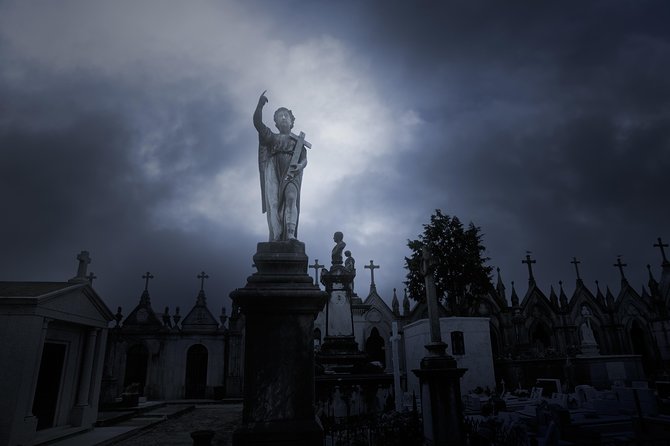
x=125, y=129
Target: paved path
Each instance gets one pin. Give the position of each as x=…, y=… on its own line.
x=220, y=418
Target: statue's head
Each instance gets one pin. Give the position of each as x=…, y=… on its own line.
x=337, y=237
x=284, y=119
x=347, y=253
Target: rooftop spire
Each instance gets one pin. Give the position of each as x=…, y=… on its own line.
x=514, y=298
x=576, y=263
x=147, y=276
x=552, y=296
x=372, y=267
x=145, y=300
x=562, y=297
x=500, y=287
x=529, y=262
x=201, y=300
x=620, y=265
x=395, y=304
x=84, y=260
x=405, y=305
x=660, y=245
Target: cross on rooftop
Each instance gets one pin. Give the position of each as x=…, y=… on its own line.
x=620, y=265
x=662, y=245
x=202, y=276
x=84, y=260
x=372, y=267
x=576, y=263
x=529, y=262
x=147, y=276
x=316, y=267
x=91, y=276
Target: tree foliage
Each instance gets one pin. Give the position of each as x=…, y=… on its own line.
x=461, y=274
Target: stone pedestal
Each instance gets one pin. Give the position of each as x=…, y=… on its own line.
x=339, y=351
x=279, y=303
x=441, y=400
x=589, y=350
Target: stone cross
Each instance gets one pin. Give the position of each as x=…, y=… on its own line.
x=576, y=262
x=84, y=260
x=316, y=267
x=662, y=245
x=147, y=276
x=620, y=265
x=372, y=267
x=91, y=276
x=436, y=346
x=529, y=262
x=202, y=276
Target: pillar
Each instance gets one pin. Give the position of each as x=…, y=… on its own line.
x=279, y=302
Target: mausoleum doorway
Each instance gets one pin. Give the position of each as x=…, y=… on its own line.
x=374, y=347
x=48, y=387
x=137, y=359
x=196, y=372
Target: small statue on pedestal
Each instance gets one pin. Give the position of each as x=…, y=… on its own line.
x=339, y=247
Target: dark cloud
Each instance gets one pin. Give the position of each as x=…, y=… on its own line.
x=73, y=178
x=544, y=123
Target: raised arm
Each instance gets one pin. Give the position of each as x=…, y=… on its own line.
x=258, y=114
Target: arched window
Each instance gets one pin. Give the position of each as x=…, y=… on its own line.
x=196, y=372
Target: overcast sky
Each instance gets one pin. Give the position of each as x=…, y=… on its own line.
x=125, y=130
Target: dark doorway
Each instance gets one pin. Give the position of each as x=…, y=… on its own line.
x=457, y=343
x=541, y=338
x=374, y=347
x=640, y=347
x=48, y=384
x=196, y=372
x=137, y=359
x=495, y=348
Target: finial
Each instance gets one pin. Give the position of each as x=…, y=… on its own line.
x=529, y=262
x=576, y=263
x=372, y=267
x=202, y=276
x=620, y=265
x=662, y=245
x=84, y=260
x=147, y=276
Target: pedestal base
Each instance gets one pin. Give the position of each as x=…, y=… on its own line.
x=279, y=303
x=441, y=400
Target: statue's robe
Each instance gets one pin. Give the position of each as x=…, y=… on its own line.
x=275, y=151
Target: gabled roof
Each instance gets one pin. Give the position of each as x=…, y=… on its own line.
x=200, y=318
x=75, y=302
x=374, y=300
x=143, y=317
x=32, y=289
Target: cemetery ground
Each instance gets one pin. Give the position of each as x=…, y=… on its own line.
x=168, y=424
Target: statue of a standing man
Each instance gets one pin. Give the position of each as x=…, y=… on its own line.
x=281, y=159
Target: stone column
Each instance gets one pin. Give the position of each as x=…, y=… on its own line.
x=279, y=303
x=395, y=347
x=439, y=376
x=87, y=369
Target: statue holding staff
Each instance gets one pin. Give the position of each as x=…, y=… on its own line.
x=281, y=159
